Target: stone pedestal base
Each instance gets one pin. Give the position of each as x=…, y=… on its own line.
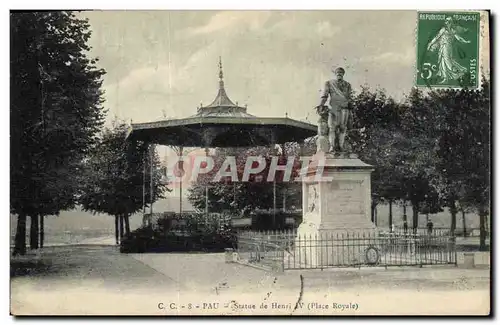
x=336, y=226
x=469, y=260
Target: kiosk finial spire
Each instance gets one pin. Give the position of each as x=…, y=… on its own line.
x=221, y=74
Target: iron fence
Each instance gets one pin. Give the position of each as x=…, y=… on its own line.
x=345, y=248
x=459, y=232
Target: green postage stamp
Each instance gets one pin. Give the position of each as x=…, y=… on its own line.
x=448, y=49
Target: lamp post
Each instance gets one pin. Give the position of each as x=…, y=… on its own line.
x=181, y=165
x=151, y=156
x=206, y=188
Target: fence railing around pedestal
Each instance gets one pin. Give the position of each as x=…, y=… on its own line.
x=346, y=248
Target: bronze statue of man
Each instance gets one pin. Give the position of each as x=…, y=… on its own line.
x=339, y=113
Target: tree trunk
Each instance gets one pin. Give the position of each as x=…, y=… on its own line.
x=117, y=231
x=453, y=211
x=206, y=201
x=390, y=215
x=374, y=205
x=42, y=230
x=284, y=199
x=180, y=197
x=274, y=204
x=127, y=224
x=463, y=224
x=20, y=239
x=121, y=227
x=482, y=229
x=34, y=232
x=416, y=209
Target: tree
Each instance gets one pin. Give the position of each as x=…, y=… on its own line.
x=55, y=112
x=432, y=204
x=461, y=128
x=115, y=175
x=376, y=129
x=450, y=108
x=477, y=135
x=463, y=208
x=416, y=149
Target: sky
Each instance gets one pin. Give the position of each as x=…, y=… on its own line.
x=165, y=63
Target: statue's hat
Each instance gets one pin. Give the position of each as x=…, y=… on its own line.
x=338, y=69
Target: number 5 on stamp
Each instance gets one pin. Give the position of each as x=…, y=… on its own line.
x=448, y=49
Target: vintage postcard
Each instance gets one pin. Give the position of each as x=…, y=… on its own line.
x=184, y=162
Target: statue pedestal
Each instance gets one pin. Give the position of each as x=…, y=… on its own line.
x=336, y=196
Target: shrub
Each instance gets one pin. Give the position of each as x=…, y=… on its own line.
x=263, y=220
x=195, y=233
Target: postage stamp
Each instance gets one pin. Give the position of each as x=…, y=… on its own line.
x=448, y=49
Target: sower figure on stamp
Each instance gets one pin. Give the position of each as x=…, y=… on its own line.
x=339, y=113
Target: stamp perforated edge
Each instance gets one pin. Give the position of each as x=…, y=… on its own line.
x=480, y=27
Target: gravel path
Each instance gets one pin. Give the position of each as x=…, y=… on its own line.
x=98, y=280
